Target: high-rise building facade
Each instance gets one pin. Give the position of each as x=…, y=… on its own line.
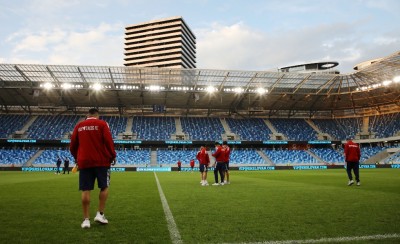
x=165, y=43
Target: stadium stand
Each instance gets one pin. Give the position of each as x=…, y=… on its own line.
x=153, y=128
x=117, y=124
x=245, y=156
x=393, y=159
x=328, y=155
x=250, y=129
x=50, y=156
x=168, y=157
x=290, y=157
x=385, y=125
x=132, y=157
x=50, y=127
x=331, y=127
x=15, y=157
x=202, y=129
x=294, y=129
x=11, y=123
x=367, y=152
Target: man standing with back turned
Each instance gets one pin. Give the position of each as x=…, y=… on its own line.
x=352, y=156
x=93, y=149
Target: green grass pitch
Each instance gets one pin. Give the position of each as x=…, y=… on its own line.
x=257, y=206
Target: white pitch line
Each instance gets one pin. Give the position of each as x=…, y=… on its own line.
x=173, y=229
x=330, y=240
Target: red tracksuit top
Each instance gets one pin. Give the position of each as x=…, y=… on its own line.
x=219, y=154
x=203, y=157
x=92, y=144
x=227, y=153
x=352, y=152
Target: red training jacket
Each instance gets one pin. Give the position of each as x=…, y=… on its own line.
x=352, y=152
x=203, y=157
x=92, y=144
x=227, y=153
x=219, y=154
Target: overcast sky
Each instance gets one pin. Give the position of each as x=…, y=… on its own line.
x=237, y=35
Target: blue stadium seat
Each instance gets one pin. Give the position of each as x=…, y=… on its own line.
x=250, y=129
x=202, y=129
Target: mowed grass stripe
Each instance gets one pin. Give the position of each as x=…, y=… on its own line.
x=283, y=205
x=173, y=229
x=256, y=207
x=46, y=208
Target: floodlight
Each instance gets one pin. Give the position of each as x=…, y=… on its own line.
x=211, y=89
x=48, y=85
x=386, y=82
x=261, y=90
x=97, y=86
x=66, y=86
x=238, y=90
x=396, y=79
x=154, y=88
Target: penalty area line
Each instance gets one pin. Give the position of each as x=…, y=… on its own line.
x=173, y=229
x=331, y=240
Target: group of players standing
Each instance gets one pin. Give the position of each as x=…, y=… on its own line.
x=221, y=165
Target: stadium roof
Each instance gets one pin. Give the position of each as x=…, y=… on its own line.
x=184, y=91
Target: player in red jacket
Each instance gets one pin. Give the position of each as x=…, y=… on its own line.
x=204, y=161
x=352, y=156
x=93, y=149
x=192, y=164
x=219, y=166
x=227, y=157
x=179, y=165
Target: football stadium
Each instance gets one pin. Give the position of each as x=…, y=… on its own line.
x=286, y=129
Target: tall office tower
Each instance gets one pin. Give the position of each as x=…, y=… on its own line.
x=167, y=43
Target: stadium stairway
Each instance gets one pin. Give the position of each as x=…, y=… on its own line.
x=270, y=126
x=381, y=156
x=129, y=124
x=265, y=157
x=153, y=158
x=178, y=126
x=225, y=125
x=313, y=126
x=29, y=123
x=29, y=163
x=320, y=160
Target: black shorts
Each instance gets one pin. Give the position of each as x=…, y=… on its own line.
x=89, y=175
x=203, y=168
x=227, y=166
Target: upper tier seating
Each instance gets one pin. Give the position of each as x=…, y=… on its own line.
x=50, y=127
x=294, y=129
x=250, y=129
x=16, y=157
x=339, y=129
x=11, y=123
x=385, y=125
x=117, y=124
x=202, y=129
x=290, y=157
x=153, y=128
x=131, y=157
